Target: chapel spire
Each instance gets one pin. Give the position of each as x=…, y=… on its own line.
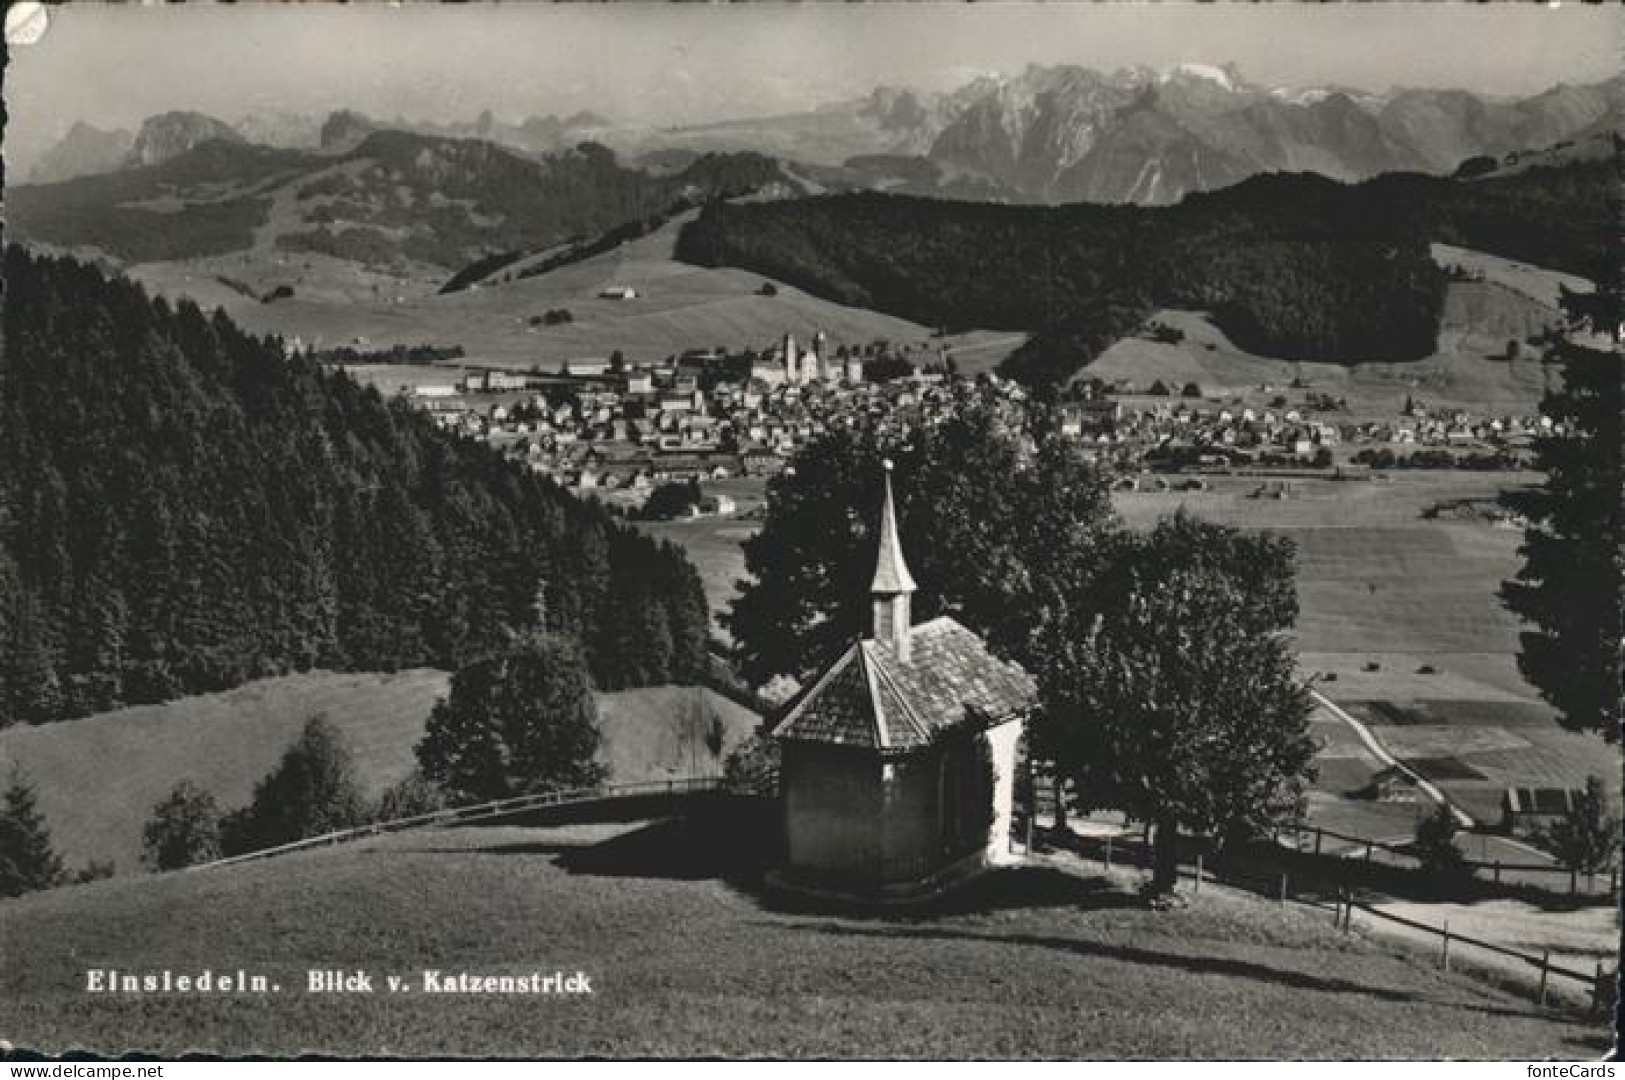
x=893, y=584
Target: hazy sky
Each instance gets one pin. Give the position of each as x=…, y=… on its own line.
x=666, y=63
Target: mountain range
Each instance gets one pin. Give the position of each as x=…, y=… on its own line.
x=1068, y=134
x=1045, y=135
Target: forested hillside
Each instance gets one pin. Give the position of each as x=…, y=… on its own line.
x=1295, y=266
x=395, y=198
x=183, y=509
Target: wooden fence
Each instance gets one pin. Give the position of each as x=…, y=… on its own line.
x=1496, y=868
x=485, y=811
x=1573, y=883
x=1601, y=984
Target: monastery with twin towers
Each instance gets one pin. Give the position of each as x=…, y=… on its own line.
x=787, y=364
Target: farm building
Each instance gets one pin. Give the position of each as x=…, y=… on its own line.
x=898, y=761
x=1395, y=785
x=1524, y=810
x=587, y=365
x=618, y=292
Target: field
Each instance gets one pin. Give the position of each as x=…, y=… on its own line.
x=1537, y=283
x=687, y=958
x=678, y=307
x=1380, y=585
x=1469, y=368
x=99, y=777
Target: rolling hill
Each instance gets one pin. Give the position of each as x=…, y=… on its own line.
x=100, y=776
x=1468, y=368
x=1292, y=266
x=680, y=306
x=687, y=957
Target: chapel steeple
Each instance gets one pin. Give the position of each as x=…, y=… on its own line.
x=893, y=585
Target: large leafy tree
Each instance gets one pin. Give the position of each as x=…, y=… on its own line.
x=1176, y=699
x=184, y=829
x=521, y=718
x=1569, y=587
x=999, y=526
x=313, y=790
x=27, y=859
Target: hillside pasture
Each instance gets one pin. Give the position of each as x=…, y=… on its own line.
x=1537, y=283
x=99, y=777
x=1468, y=369
x=678, y=307
x=687, y=957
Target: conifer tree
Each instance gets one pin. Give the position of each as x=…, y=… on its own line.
x=1569, y=587
x=27, y=860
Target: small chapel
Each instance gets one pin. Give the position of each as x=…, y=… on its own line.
x=898, y=760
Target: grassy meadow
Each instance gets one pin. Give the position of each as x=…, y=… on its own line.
x=99, y=777
x=687, y=957
x=678, y=307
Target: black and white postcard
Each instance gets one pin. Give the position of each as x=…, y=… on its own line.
x=907, y=531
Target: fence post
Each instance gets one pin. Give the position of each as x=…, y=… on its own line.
x=1545, y=970
x=1444, y=955
x=1597, y=990
x=1574, y=882
x=1317, y=840
x=1368, y=844
x=1613, y=880
x=1283, y=888
x=1108, y=852
x=1498, y=871
x=1198, y=887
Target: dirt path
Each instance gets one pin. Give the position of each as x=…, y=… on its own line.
x=1376, y=747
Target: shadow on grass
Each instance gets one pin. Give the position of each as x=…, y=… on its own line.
x=721, y=843
x=1024, y=888
x=682, y=849
x=1601, y=1044
x=1191, y=964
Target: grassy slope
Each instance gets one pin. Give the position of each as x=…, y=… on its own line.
x=1537, y=283
x=99, y=777
x=1033, y=963
x=679, y=307
x=1468, y=370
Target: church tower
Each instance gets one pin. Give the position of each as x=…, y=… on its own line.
x=893, y=584
x=791, y=375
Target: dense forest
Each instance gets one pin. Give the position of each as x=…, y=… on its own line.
x=1295, y=266
x=183, y=508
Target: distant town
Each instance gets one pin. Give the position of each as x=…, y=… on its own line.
x=620, y=428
